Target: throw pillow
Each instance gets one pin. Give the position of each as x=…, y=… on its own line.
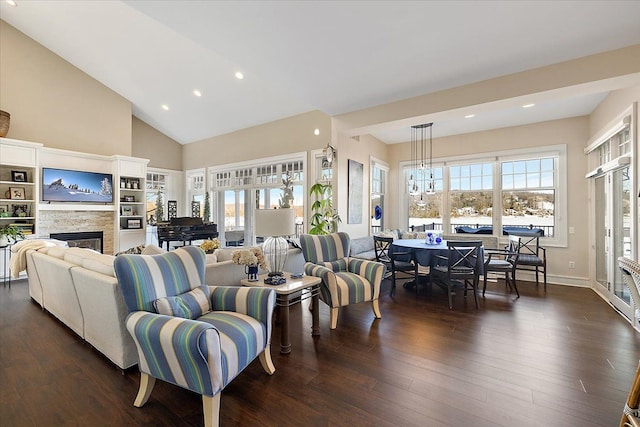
x=189, y=305
x=153, y=250
x=132, y=251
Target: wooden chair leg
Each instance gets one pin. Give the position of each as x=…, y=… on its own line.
x=334, y=317
x=266, y=362
x=376, y=309
x=211, y=409
x=146, y=387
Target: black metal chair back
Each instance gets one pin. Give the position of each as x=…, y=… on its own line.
x=503, y=261
x=381, y=246
x=462, y=267
x=531, y=256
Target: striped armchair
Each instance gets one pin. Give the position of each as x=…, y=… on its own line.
x=192, y=335
x=344, y=280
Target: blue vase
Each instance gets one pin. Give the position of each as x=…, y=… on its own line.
x=252, y=272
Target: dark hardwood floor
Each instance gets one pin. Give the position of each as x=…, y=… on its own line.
x=563, y=358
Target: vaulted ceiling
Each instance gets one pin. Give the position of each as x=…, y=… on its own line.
x=332, y=56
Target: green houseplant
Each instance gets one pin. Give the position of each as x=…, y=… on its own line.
x=324, y=219
x=10, y=232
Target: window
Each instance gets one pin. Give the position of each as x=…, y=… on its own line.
x=240, y=189
x=195, y=192
x=378, y=189
x=425, y=209
x=518, y=188
x=529, y=194
x=471, y=195
x=156, y=196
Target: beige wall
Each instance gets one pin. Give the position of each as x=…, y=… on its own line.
x=573, y=132
x=290, y=135
x=361, y=151
x=612, y=106
x=56, y=104
x=148, y=143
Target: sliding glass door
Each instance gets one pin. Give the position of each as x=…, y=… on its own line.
x=613, y=235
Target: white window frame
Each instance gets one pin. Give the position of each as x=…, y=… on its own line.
x=384, y=166
x=249, y=173
x=559, y=238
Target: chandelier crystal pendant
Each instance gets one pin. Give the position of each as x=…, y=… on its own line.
x=419, y=165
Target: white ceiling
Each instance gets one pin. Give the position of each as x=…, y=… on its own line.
x=333, y=56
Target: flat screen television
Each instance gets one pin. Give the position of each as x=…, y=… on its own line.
x=62, y=185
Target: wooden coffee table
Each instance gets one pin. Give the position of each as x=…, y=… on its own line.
x=284, y=300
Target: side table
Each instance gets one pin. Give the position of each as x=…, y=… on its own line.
x=284, y=301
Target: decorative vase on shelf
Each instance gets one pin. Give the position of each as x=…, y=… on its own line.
x=252, y=272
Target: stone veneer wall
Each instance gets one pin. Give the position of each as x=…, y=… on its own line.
x=76, y=221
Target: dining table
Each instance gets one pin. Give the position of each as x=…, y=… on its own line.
x=426, y=254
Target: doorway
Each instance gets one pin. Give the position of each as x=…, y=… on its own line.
x=613, y=235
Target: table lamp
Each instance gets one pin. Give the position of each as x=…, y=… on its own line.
x=273, y=224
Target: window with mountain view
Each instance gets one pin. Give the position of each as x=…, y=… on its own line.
x=522, y=188
x=529, y=194
x=471, y=195
x=426, y=209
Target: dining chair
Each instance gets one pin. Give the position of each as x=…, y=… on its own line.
x=381, y=247
x=503, y=261
x=195, y=336
x=460, y=268
x=532, y=256
x=402, y=263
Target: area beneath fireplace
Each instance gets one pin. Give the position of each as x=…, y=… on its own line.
x=84, y=239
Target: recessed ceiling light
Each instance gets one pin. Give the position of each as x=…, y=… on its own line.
x=316, y=131
x=239, y=75
x=165, y=107
x=528, y=105
x=12, y=3
x=469, y=116
x=197, y=93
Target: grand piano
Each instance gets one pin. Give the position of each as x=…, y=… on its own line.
x=185, y=230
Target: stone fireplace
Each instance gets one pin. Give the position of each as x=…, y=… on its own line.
x=72, y=221
x=82, y=239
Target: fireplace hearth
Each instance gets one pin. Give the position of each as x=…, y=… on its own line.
x=85, y=239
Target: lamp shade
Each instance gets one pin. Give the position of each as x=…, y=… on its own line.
x=275, y=222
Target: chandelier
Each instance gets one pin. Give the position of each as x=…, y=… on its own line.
x=418, y=182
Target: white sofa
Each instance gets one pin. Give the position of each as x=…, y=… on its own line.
x=79, y=287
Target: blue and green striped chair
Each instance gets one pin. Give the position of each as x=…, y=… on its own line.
x=189, y=334
x=345, y=280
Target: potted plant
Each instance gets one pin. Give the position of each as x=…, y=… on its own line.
x=287, y=192
x=324, y=219
x=10, y=232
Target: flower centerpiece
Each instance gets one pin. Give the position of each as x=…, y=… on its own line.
x=251, y=258
x=210, y=245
